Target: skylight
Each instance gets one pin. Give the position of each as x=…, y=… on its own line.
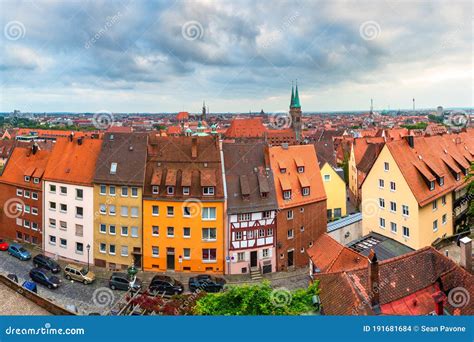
x=113, y=168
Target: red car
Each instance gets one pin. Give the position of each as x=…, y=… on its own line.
x=3, y=245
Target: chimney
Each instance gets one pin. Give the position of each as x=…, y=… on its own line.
x=374, y=287
x=194, y=148
x=411, y=140
x=466, y=253
x=439, y=298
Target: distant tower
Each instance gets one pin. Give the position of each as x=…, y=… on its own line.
x=295, y=112
x=439, y=110
x=371, y=106
x=203, y=115
x=413, y=104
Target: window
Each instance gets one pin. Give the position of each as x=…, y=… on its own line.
x=209, y=254
x=112, y=210
x=381, y=183
x=406, y=232
x=208, y=191
x=134, y=192
x=290, y=234
x=103, y=228
x=393, y=207
x=103, y=209
x=34, y=195
x=382, y=222
x=134, y=232
x=79, y=247
x=444, y=219
x=245, y=217
x=187, y=232
x=113, y=168
x=282, y=170
x=112, y=249
x=170, y=190
x=27, y=194
x=63, y=243
x=238, y=235
x=63, y=208
x=265, y=253
x=103, y=248
x=306, y=191
x=79, y=230
x=79, y=212
x=337, y=212
x=443, y=200
x=287, y=194
x=266, y=214
x=289, y=215
x=52, y=240
x=52, y=188
x=155, y=189
x=79, y=194
x=432, y=185
x=27, y=178
x=186, y=253
x=26, y=224
x=185, y=190
x=327, y=178
x=270, y=232
x=112, y=190
x=209, y=213
x=382, y=203
x=63, y=225
x=169, y=211
x=112, y=229
x=27, y=209
x=186, y=211
x=155, y=231
x=241, y=256
x=209, y=234
x=134, y=211
x=124, y=211
x=124, y=251
x=19, y=235
x=435, y=225
x=300, y=169
x=441, y=181
x=52, y=223
x=103, y=189
x=261, y=233
x=393, y=227
x=393, y=186
x=124, y=191
x=155, y=210
x=19, y=192
x=36, y=180
x=170, y=231
x=124, y=231
x=405, y=210
x=435, y=204
x=52, y=205
x=34, y=225
x=63, y=190
x=155, y=251
x=386, y=166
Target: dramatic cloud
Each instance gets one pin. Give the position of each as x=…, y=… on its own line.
x=160, y=56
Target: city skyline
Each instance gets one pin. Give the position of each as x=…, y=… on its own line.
x=168, y=57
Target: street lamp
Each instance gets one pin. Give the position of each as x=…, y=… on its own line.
x=88, y=252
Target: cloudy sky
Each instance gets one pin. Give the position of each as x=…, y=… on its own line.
x=168, y=56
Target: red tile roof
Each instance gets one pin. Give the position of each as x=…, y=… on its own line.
x=246, y=128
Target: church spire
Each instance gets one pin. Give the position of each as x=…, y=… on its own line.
x=296, y=100
x=292, y=95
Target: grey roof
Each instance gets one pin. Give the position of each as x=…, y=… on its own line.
x=345, y=221
x=384, y=247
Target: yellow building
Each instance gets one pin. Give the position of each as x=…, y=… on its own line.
x=335, y=188
x=118, y=192
x=183, y=206
x=407, y=195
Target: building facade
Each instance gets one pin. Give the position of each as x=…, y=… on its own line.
x=335, y=189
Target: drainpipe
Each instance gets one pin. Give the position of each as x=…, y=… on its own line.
x=224, y=214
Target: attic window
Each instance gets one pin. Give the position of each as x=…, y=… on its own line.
x=185, y=190
x=287, y=194
x=155, y=189
x=113, y=168
x=282, y=170
x=441, y=181
x=36, y=180
x=170, y=190
x=264, y=194
x=386, y=166
x=305, y=191
x=432, y=185
x=27, y=178
x=111, y=137
x=208, y=191
x=458, y=176
x=300, y=169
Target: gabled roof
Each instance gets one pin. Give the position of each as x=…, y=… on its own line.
x=246, y=128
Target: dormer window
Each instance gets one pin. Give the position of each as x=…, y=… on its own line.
x=432, y=185
x=282, y=170
x=264, y=194
x=458, y=176
x=170, y=190
x=208, y=191
x=300, y=169
x=287, y=194
x=36, y=180
x=441, y=181
x=305, y=191
x=466, y=171
x=113, y=168
x=186, y=190
x=27, y=178
x=155, y=189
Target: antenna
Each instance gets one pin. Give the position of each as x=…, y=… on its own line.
x=413, y=104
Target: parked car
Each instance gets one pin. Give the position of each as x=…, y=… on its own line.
x=45, y=277
x=47, y=263
x=30, y=285
x=78, y=273
x=3, y=245
x=164, y=284
x=121, y=281
x=207, y=283
x=18, y=251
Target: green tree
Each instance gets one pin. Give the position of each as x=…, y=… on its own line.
x=259, y=299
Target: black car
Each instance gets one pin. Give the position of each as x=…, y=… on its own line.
x=205, y=282
x=47, y=263
x=42, y=276
x=121, y=281
x=163, y=284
